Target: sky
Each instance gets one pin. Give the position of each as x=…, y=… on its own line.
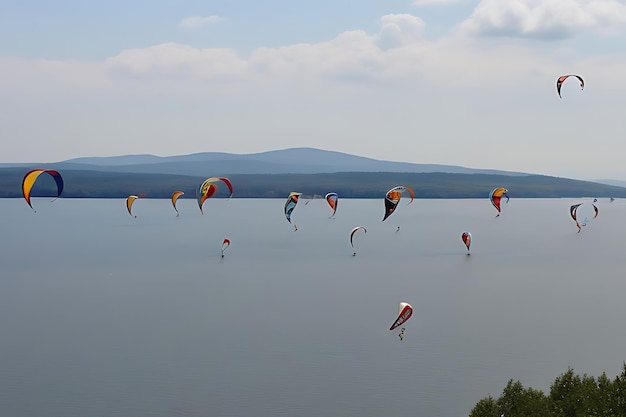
x=455, y=82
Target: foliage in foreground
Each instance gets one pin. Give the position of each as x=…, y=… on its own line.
x=570, y=396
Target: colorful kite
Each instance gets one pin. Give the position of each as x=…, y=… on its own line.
x=208, y=187
x=405, y=312
x=392, y=199
x=496, y=195
x=175, y=196
x=290, y=205
x=332, y=200
x=129, y=203
x=466, y=237
x=31, y=176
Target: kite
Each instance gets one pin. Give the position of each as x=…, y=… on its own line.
x=332, y=200
x=208, y=187
x=466, y=237
x=496, y=195
x=392, y=199
x=31, y=176
x=356, y=229
x=562, y=78
x=290, y=205
x=582, y=213
x=129, y=203
x=225, y=244
x=405, y=312
x=175, y=196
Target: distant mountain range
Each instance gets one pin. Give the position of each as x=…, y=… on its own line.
x=286, y=161
x=276, y=173
x=616, y=183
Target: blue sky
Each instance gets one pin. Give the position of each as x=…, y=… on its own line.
x=463, y=82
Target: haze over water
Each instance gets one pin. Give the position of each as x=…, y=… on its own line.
x=102, y=314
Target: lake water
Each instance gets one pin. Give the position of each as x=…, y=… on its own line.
x=102, y=314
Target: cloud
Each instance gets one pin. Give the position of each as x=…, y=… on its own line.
x=396, y=53
x=544, y=19
x=194, y=22
x=350, y=54
x=386, y=92
x=398, y=30
x=433, y=2
x=178, y=59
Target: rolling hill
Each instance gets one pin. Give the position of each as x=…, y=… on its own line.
x=274, y=174
x=286, y=161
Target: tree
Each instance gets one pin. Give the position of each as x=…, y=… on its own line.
x=564, y=394
x=570, y=396
x=515, y=401
x=485, y=408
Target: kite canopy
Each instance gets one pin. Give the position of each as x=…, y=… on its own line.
x=562, y=78
x=332, y=200
x=392, y=199
x=352, y=233
x=496, y=195
x=466, y=237
x=208, y=187
x=129, y=203
x=31, y=176
x=405, y=312
x=290, y=204
x=582, y=213
x=225, y=244
x=175, y=196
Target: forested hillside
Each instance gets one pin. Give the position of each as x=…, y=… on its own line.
x=96, y=184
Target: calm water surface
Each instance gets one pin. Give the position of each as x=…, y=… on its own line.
x=102, y=314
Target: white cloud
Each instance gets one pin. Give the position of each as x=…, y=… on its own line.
x=194, y=22
x=350, y=54
x=544, y=19
x=433, y=2
x=176, y=59
x=397, y=52
x=385, y=93
x=398, y=30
